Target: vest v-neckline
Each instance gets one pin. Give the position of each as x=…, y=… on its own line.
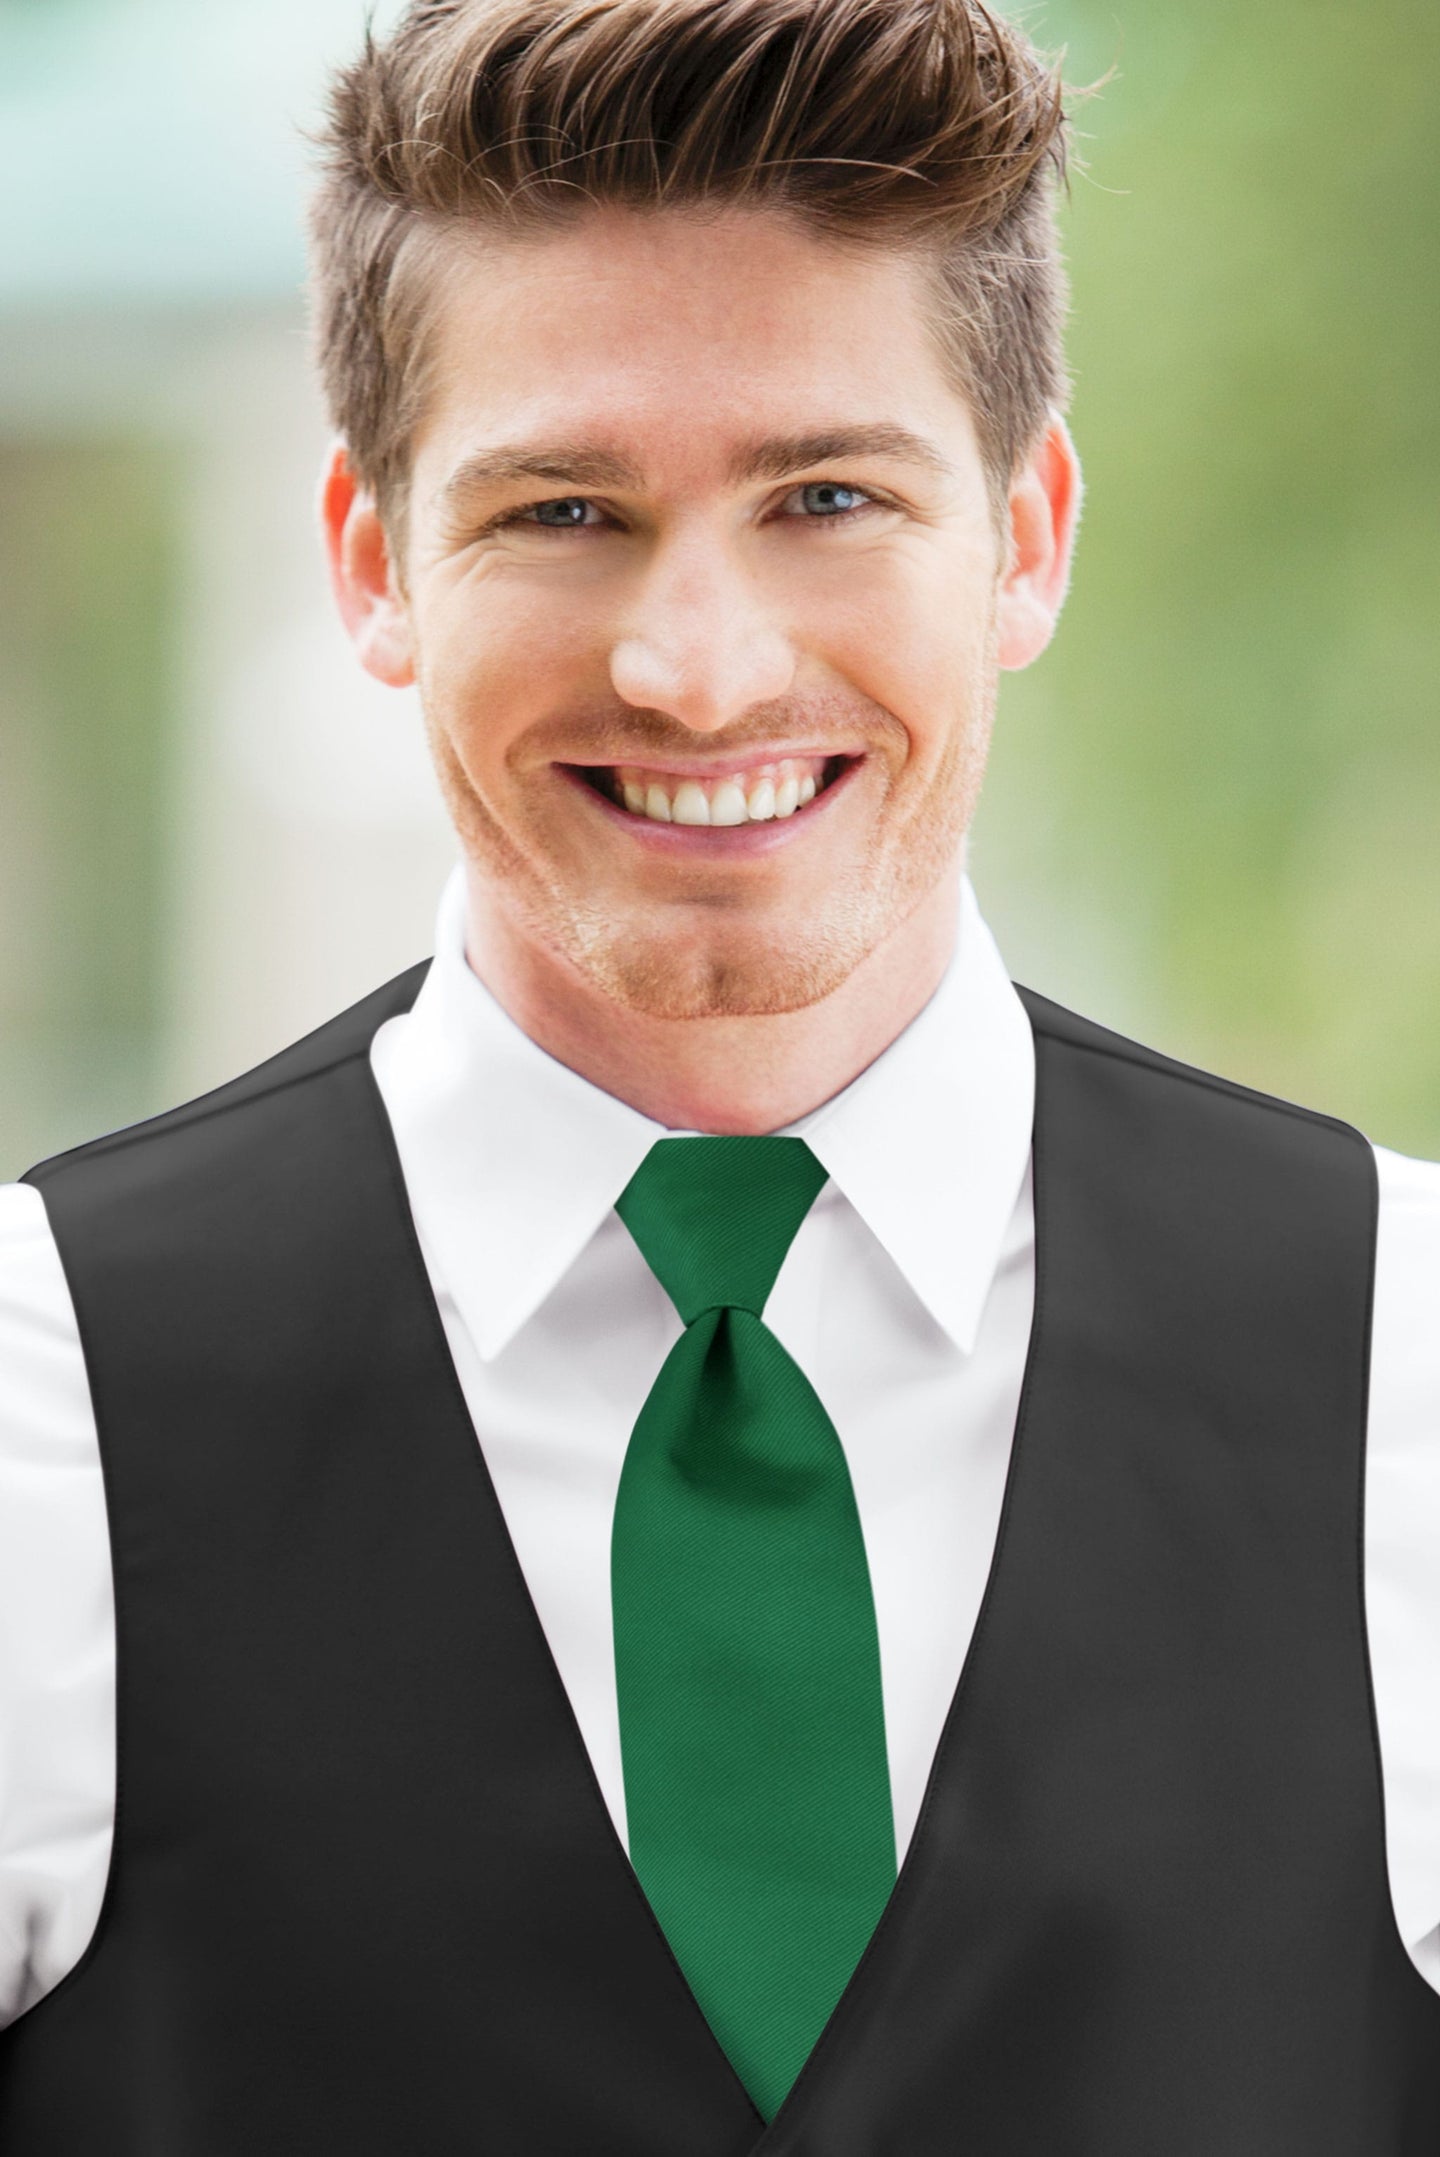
x=896, y=1910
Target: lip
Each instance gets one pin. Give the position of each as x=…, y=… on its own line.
x=709, y=841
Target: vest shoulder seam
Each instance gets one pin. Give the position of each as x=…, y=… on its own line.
x=1117, y=1048
x=263, y=1081
x=203, y=1109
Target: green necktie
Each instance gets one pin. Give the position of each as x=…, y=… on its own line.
x=752, y=1731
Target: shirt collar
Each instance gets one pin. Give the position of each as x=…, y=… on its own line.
x=512, y=1160
x=931, y=1142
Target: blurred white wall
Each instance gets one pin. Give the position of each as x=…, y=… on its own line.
x=309, y=839
x=151, y=271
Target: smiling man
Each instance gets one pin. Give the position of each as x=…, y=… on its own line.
x=711, y=730
x=702, y=1528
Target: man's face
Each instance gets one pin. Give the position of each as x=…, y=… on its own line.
x=710, y=685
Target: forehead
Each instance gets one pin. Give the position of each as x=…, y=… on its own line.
x=687, y=329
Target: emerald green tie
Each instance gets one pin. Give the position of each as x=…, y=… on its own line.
x=752, y=1732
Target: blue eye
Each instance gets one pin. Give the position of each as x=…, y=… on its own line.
x=571, y=508
x=830, y=497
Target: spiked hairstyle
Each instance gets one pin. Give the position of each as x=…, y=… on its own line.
x=926, y=125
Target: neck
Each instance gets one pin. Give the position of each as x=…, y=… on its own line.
x=741, y=1076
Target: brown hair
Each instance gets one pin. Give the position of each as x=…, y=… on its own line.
x=923, y=124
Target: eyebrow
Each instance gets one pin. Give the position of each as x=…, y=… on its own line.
x=582, y=465
x=565, y=463
x=780, y=454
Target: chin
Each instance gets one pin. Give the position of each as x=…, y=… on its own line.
x=754, y=975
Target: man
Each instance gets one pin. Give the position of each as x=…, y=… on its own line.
x=727, y=1534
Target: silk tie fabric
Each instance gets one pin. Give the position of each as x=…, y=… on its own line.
x=752, y=1731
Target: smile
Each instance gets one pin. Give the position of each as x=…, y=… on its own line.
x=755, y=793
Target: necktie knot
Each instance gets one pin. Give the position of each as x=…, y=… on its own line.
x=714, y=1217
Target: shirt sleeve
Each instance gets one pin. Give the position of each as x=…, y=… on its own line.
x=1402, y=1541
x=57, y=1633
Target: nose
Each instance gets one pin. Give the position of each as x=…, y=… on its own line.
x=699, y=642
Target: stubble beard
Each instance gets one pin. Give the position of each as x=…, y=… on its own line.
x=742, y=969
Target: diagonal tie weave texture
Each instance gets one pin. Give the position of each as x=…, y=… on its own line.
x=757, y=1788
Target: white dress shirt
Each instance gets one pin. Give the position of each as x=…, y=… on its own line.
x=906, y=1297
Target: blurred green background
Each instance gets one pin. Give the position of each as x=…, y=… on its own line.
x=1211, y=817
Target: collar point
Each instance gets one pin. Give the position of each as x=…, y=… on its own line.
x=961, y=1337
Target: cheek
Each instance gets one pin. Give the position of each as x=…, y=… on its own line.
x=922, y=659
x=492, y=662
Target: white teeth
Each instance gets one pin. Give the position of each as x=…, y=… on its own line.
x=728, y=805
x=775, y=791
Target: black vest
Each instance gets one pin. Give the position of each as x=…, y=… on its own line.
x=366, y=1900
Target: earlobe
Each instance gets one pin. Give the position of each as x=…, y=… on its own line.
x=1044, y=511
x=362, y=575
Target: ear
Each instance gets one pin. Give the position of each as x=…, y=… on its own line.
x=1044, y=511
x=362, y=577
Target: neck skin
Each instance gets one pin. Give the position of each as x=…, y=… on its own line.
x=728, y=1076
